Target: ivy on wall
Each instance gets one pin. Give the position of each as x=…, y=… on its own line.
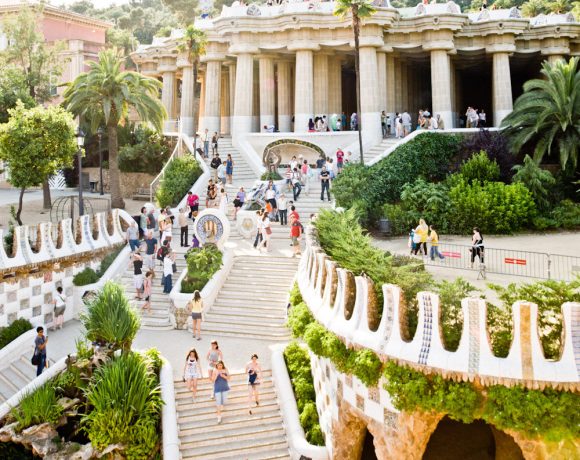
x=548, y=413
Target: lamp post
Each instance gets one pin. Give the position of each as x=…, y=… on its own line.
x=100, y=135
x=80, y=142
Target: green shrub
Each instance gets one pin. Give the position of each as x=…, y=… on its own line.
x=537, y=180
x=147, y=154
x=38, y=407
x=548, y=295
x=425, y=200
x=298, y=364
x=299, y=318
x=295, y=296
x=271, y=175
x=86, y=276
x=314, y=335
x=202, y=264
x=347, y=186
x=367, y=366
x=552, y=414
x=567, y=215
x=110, y=319
x=335, y=349
x=451, y=293
x=479, y=168
x=401, y=220
x=126, y=403
x=13, y=331
x=494, y=207
x=179, y=177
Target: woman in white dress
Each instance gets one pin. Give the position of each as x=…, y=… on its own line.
x=223, y=201
x=192, y=371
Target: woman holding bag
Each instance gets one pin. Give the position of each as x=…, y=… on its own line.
x=196, y=309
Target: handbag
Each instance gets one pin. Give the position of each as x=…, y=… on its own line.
x=174, y=267
x=35, y=360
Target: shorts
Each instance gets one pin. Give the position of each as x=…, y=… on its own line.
x=295, y=241
x=339, y=164
x=58, y=311
x=149, y=261
x=221, y=397
x=138, y=281
x=195, y=315
x=407, y=126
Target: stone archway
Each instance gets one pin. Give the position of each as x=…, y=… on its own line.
x=282, y=150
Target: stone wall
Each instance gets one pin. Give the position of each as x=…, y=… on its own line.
x=130, y=182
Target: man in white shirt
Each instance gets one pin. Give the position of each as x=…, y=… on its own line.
x=268, y=128
x=205, y=139
x=406, y=120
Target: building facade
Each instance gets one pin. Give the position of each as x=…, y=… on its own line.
x=283, y=65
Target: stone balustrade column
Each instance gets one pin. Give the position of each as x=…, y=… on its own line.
x=502, y=87
x=244, y=95
x=404, y=88
x=391, y=95
x=370, y=117
x=256, y=102
x=186, y=109
x=441, y=86
x=334, y=85
x=382, y=73
x=303, y=90
x=232, y=89
x=321, y=83
x=212, y=96
x=284, y=97
x=267, y=92
x=225, y=103
x=398, y=86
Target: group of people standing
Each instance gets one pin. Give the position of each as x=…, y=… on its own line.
x=338, y=122
x=222, y=171
x=219, y=376
x=403, y=123
x=475, y=118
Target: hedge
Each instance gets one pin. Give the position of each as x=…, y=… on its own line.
x=13, y=331
x=180, y=175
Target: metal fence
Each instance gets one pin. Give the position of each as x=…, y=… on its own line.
x=508, y=262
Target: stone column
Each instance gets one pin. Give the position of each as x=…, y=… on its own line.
x=267, y=92
x=303, y=90
x=212, y=96
x=502, y=87
x=256, y=102
x=391, y=98
x=398, y=86
x=441, y=87
x=232, y=89
x=334, y=85
x=404, y=88
x=284, y=97
x=167, y=70
x=321, y=83
x=382, y=72
x=186, y=109
x=370, y=117
x=244, y=96
x=225, y=103
x=201, y=113
x=553, y=58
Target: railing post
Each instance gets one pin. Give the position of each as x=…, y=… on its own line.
x=549, y=266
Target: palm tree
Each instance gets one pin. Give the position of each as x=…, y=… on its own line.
x=358, y=9
x=193, y=43
x=104, y=95
x=548, y=113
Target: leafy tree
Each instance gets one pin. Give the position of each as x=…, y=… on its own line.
x=184, y=10
x=193, y=43
x=123, y=40
x=537, y=181
x=548, y=113
x=105, y=94
x=35, y=143
x=357, y=9
x=533, y=8
x=13, y=89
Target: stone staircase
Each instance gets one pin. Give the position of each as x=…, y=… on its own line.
x=377, y=150
x=253, y=299
x=18, y=373
x=240, y=436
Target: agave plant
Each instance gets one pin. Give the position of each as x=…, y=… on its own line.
x=110, y=320
x=125, y=402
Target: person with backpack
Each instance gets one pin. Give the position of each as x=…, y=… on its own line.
x=39, y=356
x=295, y=233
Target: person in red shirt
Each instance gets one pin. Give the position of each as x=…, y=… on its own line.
x=293, y=213
x=193, y=203
x=295, y=233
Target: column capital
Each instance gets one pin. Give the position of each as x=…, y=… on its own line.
x=303, y=46
x=371, y=41
x=243, y=48
x=501, y=48
x=212, y=57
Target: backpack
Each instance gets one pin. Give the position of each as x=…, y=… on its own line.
x=161, y=253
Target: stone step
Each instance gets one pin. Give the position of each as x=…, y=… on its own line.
x=270, y=322
x=232, y=297
x=220, y=432
x=232, y=422
x=186, y=405
x=254, y=285
x=258, y=434
x=238, y=449
x=237, y=408
x=250, y=309
x=231, y=330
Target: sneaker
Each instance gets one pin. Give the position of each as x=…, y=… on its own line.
x=219, y=420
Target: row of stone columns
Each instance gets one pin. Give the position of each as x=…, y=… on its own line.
x=230, y=102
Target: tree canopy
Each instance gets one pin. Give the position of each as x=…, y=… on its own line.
x=35, y=144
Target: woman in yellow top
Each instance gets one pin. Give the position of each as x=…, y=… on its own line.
x=421, y=233
x=196, y=309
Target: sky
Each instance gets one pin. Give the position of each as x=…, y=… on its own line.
x=97, y=3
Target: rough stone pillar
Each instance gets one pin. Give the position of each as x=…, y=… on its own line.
x=502, y=87
x=398, y=86
x=334, y=85
x=441, y=87
x=201, y=103
x=212, y=96
x=391, y=98
x=370, y=116
x=186, y=109
x=244, y=96
x=321, y=83
x=303, y=90
x=256, y=102
x=225, y=103
x=382, y=72
x=168, y=97
x=267, y=92
x=232, y=89
x=284, y=97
